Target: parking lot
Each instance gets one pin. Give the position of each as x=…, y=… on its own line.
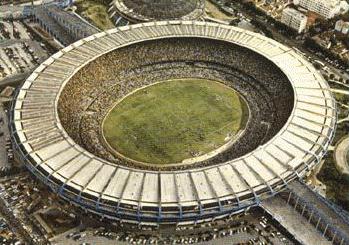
x=20, y=53
x=17, y=58
x=252, y=228
x=13, y=30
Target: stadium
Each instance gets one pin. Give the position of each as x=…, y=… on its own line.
x=148, y=10
x=284, y=120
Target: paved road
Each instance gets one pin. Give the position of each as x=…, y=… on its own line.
x=3, y=129
x=15, y=80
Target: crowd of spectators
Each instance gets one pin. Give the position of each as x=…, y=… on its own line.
x=93, y=91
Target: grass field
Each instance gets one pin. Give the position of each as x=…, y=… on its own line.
x=95, y=12
x=174, y=120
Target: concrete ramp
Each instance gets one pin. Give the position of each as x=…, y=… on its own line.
x=304, y=232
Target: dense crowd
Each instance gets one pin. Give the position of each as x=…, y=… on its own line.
x=91, y=93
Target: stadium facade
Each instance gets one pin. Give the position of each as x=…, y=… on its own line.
x=195, y=194
x=137, y=11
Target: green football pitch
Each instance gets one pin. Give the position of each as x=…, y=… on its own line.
x=174, y=120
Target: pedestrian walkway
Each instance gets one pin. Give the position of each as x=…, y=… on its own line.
x=297, y=225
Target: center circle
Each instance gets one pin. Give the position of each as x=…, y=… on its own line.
x=175, y=121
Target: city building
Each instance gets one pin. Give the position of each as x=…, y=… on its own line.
x=325, y=8
x=294, y=19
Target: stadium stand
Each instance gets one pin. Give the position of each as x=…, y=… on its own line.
x=136, y=11
x=65, y=26
x=302, y=122
x=114, y=75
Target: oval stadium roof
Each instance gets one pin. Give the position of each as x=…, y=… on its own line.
x=170, y=196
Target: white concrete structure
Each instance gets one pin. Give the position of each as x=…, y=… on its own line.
x=342, y=26
x=339, y=25
x=192, y=195
x=325, y=8
x=294, y=19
